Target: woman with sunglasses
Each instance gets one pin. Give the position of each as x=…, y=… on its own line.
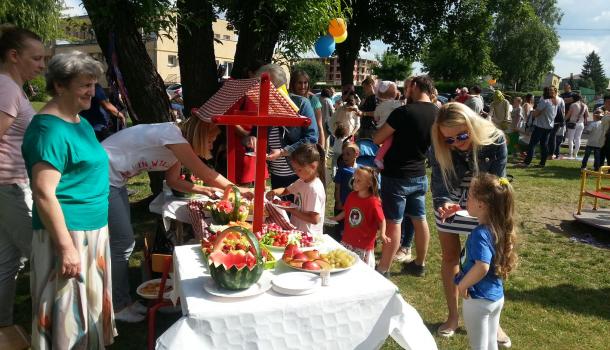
x=464, y=145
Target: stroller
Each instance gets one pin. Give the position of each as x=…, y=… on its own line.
x=368, y=150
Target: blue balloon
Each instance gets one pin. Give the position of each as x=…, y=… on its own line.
x=325, y=46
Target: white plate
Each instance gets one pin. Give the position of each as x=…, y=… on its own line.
x=292, y=205
x=464, y=213
x=154, y=295
x=332, y=270
x=263, y=285
x=296, y=283
x=330, y=222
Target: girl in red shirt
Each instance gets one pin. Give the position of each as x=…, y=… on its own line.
x=363, y=216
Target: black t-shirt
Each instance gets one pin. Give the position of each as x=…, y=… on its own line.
x=407, y=155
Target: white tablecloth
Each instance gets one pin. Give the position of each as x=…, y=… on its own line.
x=170, y=208
x=357, y=311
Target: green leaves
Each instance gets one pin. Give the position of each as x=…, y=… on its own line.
x=392, y=67
x=39, y=16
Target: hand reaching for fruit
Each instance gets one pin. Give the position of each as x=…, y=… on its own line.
x=448, y=210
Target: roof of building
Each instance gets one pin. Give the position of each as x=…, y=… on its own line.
x=232, y=93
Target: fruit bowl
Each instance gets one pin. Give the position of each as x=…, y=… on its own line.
x=315, y=261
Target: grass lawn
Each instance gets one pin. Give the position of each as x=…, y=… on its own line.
x=557, y=299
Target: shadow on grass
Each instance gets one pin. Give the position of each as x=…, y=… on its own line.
x=549, y=171
x=582, y=233
x=567, y=298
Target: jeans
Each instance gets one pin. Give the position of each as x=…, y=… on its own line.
x=407, y=233
x=121, y=245
x=541, y=136
x=482, y=319
x=15, y=242
x=597, y=158
x=552, y=145
x=401, y=197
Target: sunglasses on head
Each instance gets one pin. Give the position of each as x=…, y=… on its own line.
x=463, y=136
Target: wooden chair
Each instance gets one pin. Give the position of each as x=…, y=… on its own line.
x=160, y=263
x=600, y=192
x=14, y=338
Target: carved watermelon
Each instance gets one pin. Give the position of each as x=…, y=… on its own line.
x=230, y=266
x=233, y=196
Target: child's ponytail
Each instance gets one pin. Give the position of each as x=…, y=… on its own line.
x=308, y=153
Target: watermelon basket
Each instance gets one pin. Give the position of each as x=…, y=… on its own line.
x=235, y=259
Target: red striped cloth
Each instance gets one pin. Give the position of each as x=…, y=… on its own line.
x=195, y=209
x=233, y=91
x=278, y=216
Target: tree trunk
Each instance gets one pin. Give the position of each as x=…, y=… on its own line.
x=145, y=88
x=255, y=45
x=196, y=47
x=349, y=50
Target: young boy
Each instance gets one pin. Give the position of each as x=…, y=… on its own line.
x=595, y=141
x=343, y=181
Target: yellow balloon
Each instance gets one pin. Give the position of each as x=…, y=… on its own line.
x=341, y=38
x=336, y=27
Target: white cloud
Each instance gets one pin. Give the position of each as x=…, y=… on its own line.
x=605, y=15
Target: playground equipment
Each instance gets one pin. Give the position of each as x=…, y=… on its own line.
x=598, y=217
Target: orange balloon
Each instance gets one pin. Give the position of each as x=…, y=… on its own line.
x=340, y=39
x=336, y=27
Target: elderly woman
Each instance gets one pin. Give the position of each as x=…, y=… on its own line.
x=152, y=147
x=21, y=59
x=464, y=145
x=284, y=140
x=68, y=170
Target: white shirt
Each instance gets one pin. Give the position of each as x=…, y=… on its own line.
x=383, y=110
x=309, y=196
x=141, y=148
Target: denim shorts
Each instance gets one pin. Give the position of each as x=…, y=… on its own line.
x=400, y=197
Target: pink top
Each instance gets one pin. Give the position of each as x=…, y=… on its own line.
x=15, y=103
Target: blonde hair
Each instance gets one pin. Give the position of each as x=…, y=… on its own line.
x=482, y=132
x=499, y=198
x=197, y=133
x=372, y=173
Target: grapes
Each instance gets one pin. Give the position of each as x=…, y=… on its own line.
x=339, y=258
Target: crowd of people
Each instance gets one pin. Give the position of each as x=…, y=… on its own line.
x=64, y=202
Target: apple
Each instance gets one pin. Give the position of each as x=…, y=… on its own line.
x=311, y=265
x=323, y=263
x=295, y=263
x=300, y=256
x=312, y=254
x=290, y=250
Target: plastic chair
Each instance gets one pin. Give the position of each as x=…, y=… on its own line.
x=160, y=263
x=600, y=192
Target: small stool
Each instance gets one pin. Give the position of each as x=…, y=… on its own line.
x=13, y=338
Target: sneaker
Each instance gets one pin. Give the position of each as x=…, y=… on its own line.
x=413, y=269
x=128, y=315
x=137, y=307
x=539, y=166
x=403, y=255
x=384, y=274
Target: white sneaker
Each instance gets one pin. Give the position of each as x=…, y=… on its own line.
x=403, y=255
x=127, y=315
x=138, y=308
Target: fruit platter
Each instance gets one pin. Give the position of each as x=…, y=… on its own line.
x=275, y=238
x=314, y=261
x=283, y=204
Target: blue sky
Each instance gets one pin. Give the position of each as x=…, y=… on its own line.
x=591, y=15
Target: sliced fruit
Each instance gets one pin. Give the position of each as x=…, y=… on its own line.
x=323, y=264
x=311, y=265
x=312, y=254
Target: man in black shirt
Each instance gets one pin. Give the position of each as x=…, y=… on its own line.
x=403, y=180
x=367, y=109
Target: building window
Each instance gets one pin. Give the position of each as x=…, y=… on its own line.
x=226, y=37
x=172, y=60
x=229, y=69
x=338, y=75
x=216, y=36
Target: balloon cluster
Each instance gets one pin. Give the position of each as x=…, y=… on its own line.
x=337, y=33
